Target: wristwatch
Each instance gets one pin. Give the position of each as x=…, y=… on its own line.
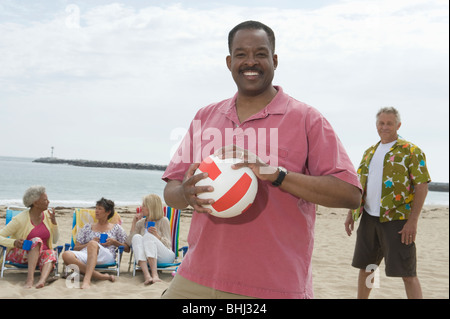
x=281, y=176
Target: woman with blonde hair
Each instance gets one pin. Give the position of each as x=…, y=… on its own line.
x=150, y=238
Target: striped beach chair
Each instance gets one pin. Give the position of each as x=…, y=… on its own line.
x=173, y=215
x=83, y=216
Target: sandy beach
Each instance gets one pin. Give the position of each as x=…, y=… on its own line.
x=332, y=273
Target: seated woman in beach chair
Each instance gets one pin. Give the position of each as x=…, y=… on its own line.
x=89, y=252
x=151, y=244
x=38, y=226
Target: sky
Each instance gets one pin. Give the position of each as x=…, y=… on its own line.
x=121, y=80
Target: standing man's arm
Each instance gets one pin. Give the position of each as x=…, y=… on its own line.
x=324, y=190
x=327, y=191
x=409, y=231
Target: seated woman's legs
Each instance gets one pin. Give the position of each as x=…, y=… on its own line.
x=151, y=252
x=33, y=259
x=140, y=258
x=45, y=259
x=87, y=268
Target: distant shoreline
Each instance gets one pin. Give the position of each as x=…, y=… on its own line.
x=433, y=186
x=86, y=163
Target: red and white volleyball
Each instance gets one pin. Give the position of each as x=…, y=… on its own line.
x=234, y=189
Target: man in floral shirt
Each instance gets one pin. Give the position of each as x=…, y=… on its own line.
x=395, y=179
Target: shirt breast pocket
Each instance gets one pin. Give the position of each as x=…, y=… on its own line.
x=279, y=156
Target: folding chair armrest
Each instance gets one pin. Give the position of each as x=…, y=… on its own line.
x=3, y=258
x=58, y=249
x=184, y=249
x=121, y=249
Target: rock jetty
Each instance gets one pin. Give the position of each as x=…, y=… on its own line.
x=86, y=163
x=438, y=187
x=433, y=186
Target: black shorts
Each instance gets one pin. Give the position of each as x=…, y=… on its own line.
x=376, y=240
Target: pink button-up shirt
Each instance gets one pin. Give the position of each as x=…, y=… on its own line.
x=265, y=252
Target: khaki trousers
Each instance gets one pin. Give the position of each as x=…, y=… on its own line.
x=181, y=288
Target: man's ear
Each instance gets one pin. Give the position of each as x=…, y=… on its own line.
x=228, y=59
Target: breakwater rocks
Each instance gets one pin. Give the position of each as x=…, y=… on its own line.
x=433, y=186
x=86, y=163
x=438, y=187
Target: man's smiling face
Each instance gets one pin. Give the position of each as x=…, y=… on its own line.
x=252, y=62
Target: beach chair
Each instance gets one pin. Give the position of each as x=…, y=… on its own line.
x=173, y=215
x=83, y=216
x=11, y=212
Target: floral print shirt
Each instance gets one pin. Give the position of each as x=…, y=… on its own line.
x=86, y=234
x=404, y=166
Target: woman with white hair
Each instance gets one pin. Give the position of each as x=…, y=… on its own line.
x=38, y=225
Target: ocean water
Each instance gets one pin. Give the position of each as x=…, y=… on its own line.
x=73, y=186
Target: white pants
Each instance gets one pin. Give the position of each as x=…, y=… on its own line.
x=148, y=246
x=104, y=255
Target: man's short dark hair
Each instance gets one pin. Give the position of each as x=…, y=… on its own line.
x=252, y=25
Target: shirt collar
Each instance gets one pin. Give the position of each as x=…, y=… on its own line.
x=400, y=142
x=278, y=105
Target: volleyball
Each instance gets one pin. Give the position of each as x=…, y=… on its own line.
x=234, y=189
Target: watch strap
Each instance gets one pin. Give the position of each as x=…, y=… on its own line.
x=281, y=175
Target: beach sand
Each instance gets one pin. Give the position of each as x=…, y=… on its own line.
x=333, y=276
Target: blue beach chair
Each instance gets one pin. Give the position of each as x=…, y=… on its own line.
x=11, y=212
x=83, y=216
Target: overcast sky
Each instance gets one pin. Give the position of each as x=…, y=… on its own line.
x=119, y=81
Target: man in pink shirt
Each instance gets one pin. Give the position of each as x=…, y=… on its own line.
x=299, y=161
